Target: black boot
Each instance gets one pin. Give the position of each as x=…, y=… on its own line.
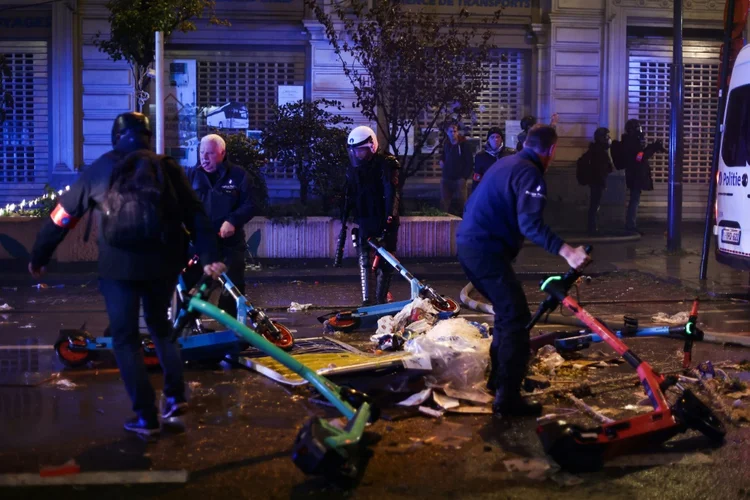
x=382, y=284
x=511, y=404
x=364, y=277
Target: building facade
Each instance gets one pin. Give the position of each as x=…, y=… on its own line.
x=594, y=62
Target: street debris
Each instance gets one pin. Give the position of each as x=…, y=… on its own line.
x=5, y=307
x=429, y=411
x=445, y=402
x=595, y=413
x=548, y=360
x=297, y=307
x=27, y=326
x=680, y=318
x=458, y=353
x=64, y=384
x=416, y=399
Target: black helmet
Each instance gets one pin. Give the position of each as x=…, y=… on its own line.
x=527, y=122
x=136, y=123
x=633, y=127
x=600, y=135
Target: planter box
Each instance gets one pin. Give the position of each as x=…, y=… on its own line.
x=314, y=237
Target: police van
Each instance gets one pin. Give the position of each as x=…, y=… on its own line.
x=732, y=228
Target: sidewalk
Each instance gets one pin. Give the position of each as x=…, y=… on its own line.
x=613, y=251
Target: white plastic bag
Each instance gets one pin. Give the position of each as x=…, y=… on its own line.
x=457, y=350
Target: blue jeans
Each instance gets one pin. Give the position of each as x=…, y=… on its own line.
x=122, y=299
x=635, y=199
x=493, y=276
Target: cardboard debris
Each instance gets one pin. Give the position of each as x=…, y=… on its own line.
x=471, y=409
x=416, y=399
x=472, y=395
x=445, y=401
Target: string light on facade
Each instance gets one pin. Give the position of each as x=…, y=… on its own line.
x=11, y=207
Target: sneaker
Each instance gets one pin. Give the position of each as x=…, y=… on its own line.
x=174, y=408
x=141, y=426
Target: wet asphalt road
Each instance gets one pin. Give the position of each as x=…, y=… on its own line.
x=237, y=437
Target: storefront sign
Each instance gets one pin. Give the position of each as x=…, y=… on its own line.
x=26, y=25
x=289, y=94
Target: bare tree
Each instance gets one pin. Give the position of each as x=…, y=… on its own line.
x=411, y=70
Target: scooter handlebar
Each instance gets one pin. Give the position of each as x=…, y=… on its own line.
x=562, y=285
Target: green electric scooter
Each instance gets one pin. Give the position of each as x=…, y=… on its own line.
x=320, y=448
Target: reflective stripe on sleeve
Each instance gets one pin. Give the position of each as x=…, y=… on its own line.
x=61, y=218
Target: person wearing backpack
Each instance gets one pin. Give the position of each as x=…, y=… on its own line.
x=632, y=154
x=144, y=205
x=592, y=170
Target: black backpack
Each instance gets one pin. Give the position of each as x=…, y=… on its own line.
x=135, y=205
x=583, y=168
x=615, y=150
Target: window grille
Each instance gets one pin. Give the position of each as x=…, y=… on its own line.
x=24, y=136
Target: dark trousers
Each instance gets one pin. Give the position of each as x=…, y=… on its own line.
x=234, y=258
x=595, y=202
x=123, y=300
x=635, y=199
x=492, y=275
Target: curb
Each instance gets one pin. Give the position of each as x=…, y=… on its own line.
x=712, y=338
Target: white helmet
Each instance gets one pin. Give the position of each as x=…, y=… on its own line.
x=362, y=136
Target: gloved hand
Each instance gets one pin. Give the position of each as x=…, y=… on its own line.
x=660, y=146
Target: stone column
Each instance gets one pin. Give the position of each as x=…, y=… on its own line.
x=64, y=85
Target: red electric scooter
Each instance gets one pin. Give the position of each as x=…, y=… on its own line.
x=577, y=449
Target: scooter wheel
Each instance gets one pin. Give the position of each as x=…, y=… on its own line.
x=72, y=351
x=343, y=324
x=450, y=309
x=285, y=339
x=576, y=457
x=696, y=415
x=150, y=358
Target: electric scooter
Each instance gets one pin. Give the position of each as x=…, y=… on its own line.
x=76, y=347
x=578, y=449
x=320, y=448
x=368, y=316
x=576, y=341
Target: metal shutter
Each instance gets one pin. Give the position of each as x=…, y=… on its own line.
x=248, y=77
x=24, y=136
x=503, y=99
x=649, y=102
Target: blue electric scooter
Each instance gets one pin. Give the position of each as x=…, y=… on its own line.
x=76, y=347
x=368, y=316
x=576, y=341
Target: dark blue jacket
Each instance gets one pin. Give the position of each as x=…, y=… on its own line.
x=507, y=206
x=147, y=263
x=229, y=199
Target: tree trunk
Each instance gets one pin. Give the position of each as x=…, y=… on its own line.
x=304, y=184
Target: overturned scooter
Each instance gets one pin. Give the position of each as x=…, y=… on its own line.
x=76, y=347
x=320, y=448
x=578, y=340
x=368, y=316
x=577, y=449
